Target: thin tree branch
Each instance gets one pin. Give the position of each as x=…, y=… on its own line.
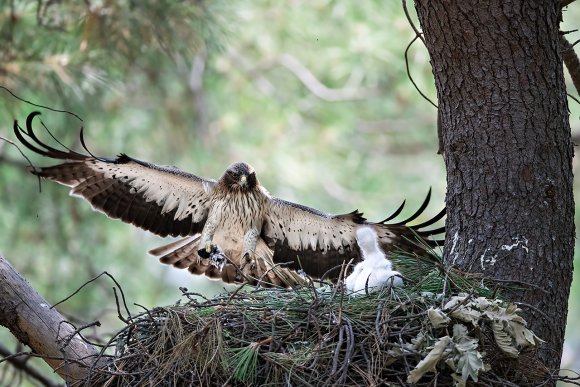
x=15, y=163
x=318, y=88
x=409, y=72
x=308, y=79
x=20, y=362
x=571, y=61
x=574, y=98
x=195, y=82
x=564, y=3
x=418, y=34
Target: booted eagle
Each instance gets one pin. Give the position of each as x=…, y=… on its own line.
x=233, y=228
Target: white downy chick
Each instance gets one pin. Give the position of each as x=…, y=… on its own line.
x=374, y=269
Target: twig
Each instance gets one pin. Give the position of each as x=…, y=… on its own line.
x=565, y=3
x=543, y=314
x=409, y=72
x=16, y=360
x=77, y=331
x=574, y=98
x=126, y=321
x=23, y=155
x=517, y=282
x=9, y=161
x=40, y=106
x=418, y=33
x=320, y=90
x=195, y=83
x=571, y=61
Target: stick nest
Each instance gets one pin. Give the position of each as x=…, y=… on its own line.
x=439, y=330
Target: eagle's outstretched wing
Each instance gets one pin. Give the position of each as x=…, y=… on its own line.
x=317, y=242
x=163, y=200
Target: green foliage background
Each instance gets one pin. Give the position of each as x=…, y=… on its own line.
x=314, y=94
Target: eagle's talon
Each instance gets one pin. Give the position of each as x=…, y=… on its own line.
x=217, y=258
x=208, y=251
x=204, y=253
x=215, y=255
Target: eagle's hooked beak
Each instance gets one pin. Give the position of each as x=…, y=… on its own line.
x=243, y=181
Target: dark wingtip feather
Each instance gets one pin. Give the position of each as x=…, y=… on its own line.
x=355, y=216
x=396, y=213
x=419, y=229
x=36, y=145
x=418, y=212
x=431, y=221
x=122, y=158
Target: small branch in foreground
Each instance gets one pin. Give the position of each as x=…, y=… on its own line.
x=20, y=362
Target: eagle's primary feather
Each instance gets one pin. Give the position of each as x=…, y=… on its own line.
x=265, y=239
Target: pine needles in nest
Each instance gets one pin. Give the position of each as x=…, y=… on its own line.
x=321, y=336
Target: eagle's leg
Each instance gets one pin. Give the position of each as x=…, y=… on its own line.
x=207, y=234
x=250, y=241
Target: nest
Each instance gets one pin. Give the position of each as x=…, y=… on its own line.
x=318, y=335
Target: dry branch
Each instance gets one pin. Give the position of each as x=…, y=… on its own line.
x=33, y=322
x=20, y=362
x=571, y=61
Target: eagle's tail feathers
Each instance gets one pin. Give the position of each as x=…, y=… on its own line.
x=181, y=253
x=162, y=250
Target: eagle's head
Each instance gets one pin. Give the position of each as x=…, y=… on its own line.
x=240, y=177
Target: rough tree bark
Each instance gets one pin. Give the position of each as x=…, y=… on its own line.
x=506, y=143
x=33, y=322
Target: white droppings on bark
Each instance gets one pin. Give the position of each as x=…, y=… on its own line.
x=489, y=260
x=483, y=260
x=455, y=240
x=521, y=242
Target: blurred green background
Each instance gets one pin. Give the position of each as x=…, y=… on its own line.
x=314, y=94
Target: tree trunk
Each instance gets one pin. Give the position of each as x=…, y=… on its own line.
x=503, y=119
x=35, y=323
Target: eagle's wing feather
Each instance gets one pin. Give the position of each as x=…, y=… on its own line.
x=309, y=239
x=302, y=228
x=163, y=200
x=318, y=243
